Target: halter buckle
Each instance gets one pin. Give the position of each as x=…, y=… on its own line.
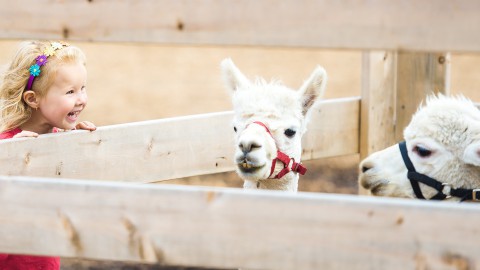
x=476, y=197
x=447, y=188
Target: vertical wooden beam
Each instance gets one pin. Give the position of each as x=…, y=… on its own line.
x=393, y=85
x=377, y=116
x=418, y=75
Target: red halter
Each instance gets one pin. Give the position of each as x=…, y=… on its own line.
x=289, y=163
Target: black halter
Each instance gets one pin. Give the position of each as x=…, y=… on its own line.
x=445, y=190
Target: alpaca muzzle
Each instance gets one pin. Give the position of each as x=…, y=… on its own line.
x=289, y=164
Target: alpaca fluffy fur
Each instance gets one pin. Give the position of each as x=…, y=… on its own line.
x=280, y=108
x=449, y=127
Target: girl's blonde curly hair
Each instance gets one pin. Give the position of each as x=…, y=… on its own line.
x=14, y=111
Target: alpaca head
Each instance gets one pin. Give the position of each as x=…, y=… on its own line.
x=269, y=117
x=442, y=142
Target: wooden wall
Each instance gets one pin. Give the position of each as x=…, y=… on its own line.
x=441, y=25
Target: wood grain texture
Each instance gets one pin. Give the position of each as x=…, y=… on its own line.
x=377, y=121
x=394, y=85
x=418, y=75
x=427, y=25
x=166, y=148
x=233, y=228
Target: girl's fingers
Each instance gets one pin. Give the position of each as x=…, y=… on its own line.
x=86, y=125
x=26, y=133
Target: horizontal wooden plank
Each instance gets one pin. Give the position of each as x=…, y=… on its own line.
x=166, y=148
x=333, y=129
x=432, y=25
x=233, y=228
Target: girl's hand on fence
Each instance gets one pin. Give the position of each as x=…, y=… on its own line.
x=86, y=125
x=26, y=133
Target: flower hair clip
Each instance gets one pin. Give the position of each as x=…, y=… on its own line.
x=42, y=60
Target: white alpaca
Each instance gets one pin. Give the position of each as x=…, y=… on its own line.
x=443, y=143
x=270, y=119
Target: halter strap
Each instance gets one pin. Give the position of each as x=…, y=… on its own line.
x=415, y=178
x=411, y=169
x=289, y=164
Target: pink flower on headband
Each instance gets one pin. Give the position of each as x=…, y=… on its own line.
x=41, y=60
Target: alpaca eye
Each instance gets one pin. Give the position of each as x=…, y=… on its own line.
x=422, y=151
x=290, y=132
x=235, y=129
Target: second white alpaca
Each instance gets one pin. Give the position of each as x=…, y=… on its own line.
x=442, y=143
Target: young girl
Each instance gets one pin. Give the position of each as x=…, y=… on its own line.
x=42, y=91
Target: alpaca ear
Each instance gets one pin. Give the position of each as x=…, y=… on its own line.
x=232, y=76
x=313, y=88
x=472, y=154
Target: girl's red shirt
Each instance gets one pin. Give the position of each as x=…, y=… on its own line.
x=9, y=134
x=25, y=262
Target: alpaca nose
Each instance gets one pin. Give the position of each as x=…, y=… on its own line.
x=248, y=146
x=365, y=166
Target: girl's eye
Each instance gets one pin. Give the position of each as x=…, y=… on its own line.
x=70, y=92
x=290, y=133
x=235, y=129
x=422, y=151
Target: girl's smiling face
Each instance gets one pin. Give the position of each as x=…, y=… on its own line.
x=66, y=98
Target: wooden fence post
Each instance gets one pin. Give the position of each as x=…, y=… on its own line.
x=377, y=116
x=418, y=75
x=393, y=85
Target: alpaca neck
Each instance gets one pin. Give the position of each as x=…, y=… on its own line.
x=288, y=182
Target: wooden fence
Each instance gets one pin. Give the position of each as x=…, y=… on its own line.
x=60, y=193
